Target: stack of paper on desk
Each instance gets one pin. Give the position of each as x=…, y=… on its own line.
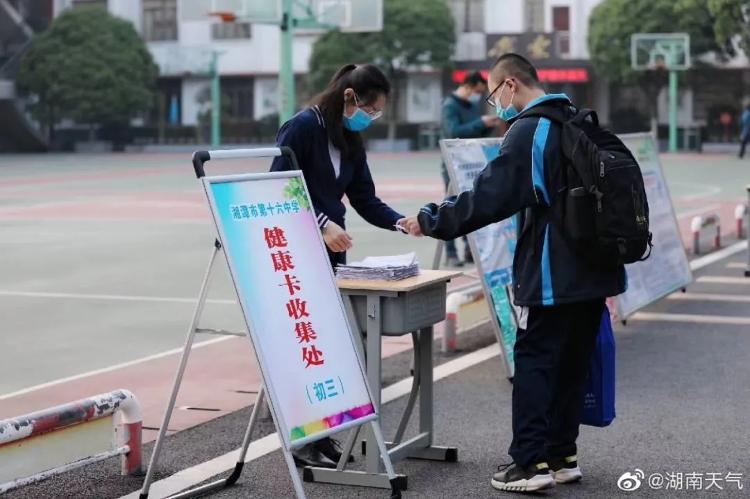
x=389, y=268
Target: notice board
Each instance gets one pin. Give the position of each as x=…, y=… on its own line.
x=492, y=246
x=291, y=304
x=668, y=268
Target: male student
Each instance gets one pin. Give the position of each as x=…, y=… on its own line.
x=561, y=295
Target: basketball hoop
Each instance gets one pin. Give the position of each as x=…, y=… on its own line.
x=225, y=16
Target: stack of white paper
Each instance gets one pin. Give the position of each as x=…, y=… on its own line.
x=389, y=268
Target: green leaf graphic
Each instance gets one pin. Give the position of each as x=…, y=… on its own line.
x=296, y=190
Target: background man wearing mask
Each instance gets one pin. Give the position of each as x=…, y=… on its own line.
x=744, y=129
x=462, y=119
x=561, y=294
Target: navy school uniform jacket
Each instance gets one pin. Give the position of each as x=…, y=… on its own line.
x=462, y=119
x=306, y=134
x=526, y=178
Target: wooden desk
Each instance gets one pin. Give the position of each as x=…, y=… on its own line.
x=376, y=308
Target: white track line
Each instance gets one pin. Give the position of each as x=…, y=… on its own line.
x=709, y=297
x=690, y=318
x=718, y=279
x=703, y=261
x=111, y=368
x=199, y=473
x=737, y=265
x=85, y=296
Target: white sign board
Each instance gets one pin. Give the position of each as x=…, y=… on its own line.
x=493, y=245
x=291, y=304
x=668, y=268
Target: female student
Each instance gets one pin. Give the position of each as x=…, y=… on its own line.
x=326, y=141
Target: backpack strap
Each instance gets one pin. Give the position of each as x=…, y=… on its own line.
x=573, y=139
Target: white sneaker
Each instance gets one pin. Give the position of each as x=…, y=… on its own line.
x=566, y=470
x=513, y=478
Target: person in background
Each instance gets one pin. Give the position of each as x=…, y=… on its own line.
x=462, y=119
x=744, y=129
x=325, y=139
x=560, y=294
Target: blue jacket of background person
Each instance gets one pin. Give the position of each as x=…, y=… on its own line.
x=745, y=124
x=462, y=119
x=306, y=134
x=526, y=178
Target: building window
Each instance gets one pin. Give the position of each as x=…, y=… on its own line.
x=237, y=99
x=534, y=16
x=561, y=27
x=229, y=31
x=159, y=20
x=468, y=15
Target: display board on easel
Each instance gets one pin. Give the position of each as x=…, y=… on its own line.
x=291, y=304
x=296, y=321
x=492, y=247
x=667, y=269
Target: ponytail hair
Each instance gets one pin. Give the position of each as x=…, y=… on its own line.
x=369, y=83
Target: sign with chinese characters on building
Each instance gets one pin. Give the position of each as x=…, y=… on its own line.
x=291, y=304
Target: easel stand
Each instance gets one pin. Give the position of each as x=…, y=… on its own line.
x=198, y=160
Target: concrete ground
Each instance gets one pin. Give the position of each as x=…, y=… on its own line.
x=682, y=403
x=103, y=257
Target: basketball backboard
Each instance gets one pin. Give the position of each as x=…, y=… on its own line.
x=259, y=11
x=312, y=16
x=352, y=16
x=183, y=61
x=670, y=51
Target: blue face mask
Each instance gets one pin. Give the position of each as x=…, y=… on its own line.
x=505, y=113
x=358, y=121
x=474, y=98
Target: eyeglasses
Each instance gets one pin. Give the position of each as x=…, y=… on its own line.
x=373, y=113
x=490, y=100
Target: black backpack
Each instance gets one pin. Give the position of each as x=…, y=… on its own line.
x=604, y=211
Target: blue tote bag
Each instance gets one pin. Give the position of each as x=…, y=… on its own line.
x=599, y=402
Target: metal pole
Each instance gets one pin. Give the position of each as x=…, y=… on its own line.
x=672, y=111
x=286, y=70
x=215, y=101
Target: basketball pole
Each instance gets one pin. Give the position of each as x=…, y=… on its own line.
x=672, y=110
x=286, y=69
x=215, y=101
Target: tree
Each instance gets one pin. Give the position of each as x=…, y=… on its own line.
x=731, y=19
x=90, y=67
x=415, y=33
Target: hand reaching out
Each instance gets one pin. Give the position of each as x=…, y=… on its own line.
x=411, y=225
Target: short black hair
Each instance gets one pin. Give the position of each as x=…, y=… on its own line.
x=474, y=78
x=517, y=66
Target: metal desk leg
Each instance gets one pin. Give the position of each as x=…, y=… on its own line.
x=425, y=382
x=374, y=366
x=426, y=406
